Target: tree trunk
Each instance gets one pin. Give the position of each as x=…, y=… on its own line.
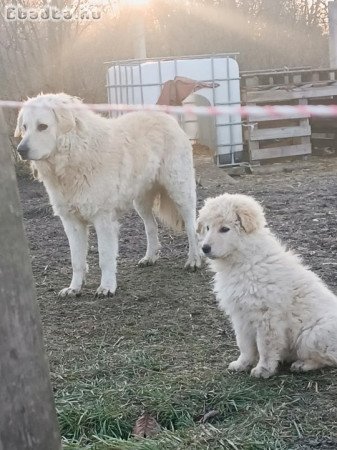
x=27, y=413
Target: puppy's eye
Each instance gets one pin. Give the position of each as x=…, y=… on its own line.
x=224, y=230
x=207, y=228
x=42, y=126
x=24, y=127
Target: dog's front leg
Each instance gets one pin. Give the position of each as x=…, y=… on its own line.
x=77, y=234
x=107, y=237
x=246, y=340
x=270, y=344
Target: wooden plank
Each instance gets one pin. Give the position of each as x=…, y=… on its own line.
x=251, y=81
x=279, y=133
x=281, y=70
x=253, y=146
x=324, y=124
x=28, y=417
x=297, y=78
x=271, y=118
x=305, y=139
x=280, y=152
x=294, y=75
x=296, y=70
x=285, y=95
x=327, y=136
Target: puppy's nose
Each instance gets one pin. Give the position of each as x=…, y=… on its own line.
x=206, y=249
x=23, y=150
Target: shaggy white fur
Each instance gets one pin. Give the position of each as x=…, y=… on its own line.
x=95, y=168
x=280, y=310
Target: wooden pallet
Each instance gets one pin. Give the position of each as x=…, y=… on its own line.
x=286, y=77
x=276, y=95
x=269, y=138
x=323, y=130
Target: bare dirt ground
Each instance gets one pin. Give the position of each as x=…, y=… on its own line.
x=160, y=344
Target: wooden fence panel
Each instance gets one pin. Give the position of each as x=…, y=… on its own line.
x=27, y=412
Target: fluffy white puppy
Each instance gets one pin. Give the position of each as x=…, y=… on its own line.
x=95, y=168
x=280, y=310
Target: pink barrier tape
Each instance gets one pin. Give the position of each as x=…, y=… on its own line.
x=248, y=111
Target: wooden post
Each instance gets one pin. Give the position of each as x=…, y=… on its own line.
x=27, y=413
x=332, y=7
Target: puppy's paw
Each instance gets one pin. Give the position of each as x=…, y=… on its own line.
x=148, y=261
x=297, y=366
x=261, y=372
x=193, y=263
x=105, y=292
x=304, y=366
x=69, y=292
x=238, y=366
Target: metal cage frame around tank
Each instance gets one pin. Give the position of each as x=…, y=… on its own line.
x=123, y=95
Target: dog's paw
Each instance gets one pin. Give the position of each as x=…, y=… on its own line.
x=105, y=292
x=297, y=366
x=237, y=366
x=261, y=372
x=148, y=261
x=304, y=366
x=193, y=263
x=69, y=292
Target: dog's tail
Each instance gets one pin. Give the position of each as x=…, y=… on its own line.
x=166, y=211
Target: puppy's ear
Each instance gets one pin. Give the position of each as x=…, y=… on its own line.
x=17, y=132
x=250, y=217
x=66, y=119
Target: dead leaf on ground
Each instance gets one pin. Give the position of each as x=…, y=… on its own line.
x=208, y=416
x=146, y=426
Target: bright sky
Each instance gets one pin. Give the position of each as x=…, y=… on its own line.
x=135, y=2
x=120, y=2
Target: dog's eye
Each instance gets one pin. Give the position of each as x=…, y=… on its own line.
x=42, y=126
x=24, y=127
x=207, y=228
x=224, y=230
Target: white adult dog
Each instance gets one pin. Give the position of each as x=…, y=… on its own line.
x=280, y=310
x=94, y=168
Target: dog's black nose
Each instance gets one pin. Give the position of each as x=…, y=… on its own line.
x=206, y=249
x=23, y=150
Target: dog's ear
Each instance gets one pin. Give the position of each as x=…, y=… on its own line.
x=250, y=217
x=17, y=132
x=65, y=118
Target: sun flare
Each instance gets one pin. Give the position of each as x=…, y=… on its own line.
x=135, y=2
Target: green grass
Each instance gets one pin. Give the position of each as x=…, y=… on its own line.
x=275, y=414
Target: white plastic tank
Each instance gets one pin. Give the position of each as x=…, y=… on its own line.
x=141, y=81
